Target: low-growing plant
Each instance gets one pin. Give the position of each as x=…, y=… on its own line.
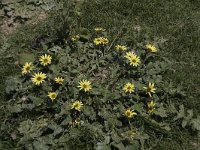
x=92, y=93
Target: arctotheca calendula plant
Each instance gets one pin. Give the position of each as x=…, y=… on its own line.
x=93, y=87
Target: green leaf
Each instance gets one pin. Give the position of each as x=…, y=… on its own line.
x=105, y=144
x=89, y=111
x=142, y=136
x=36, y=100
x=102, y=146
x=28, y=106
x=29, y=146
x=116, y=138
x=26, y=57
x=12, y=84
x=65, y=108
x=110, y=96
x=120, y=146
x=139, y=107
x=63, y=60
x=25, y=126
x=54, y=69
x=190, y=114
x=184, y=123
x=165, y=126
x=84, y=37
x=32, y=129
x=46, y=86
x=134, y=146
x=161, y=111
x=14, y=109
x=142, y=139
x=40, y=145
x=57, y=129
x=172, y=108
x=74, y=132
x=181, y=113
x=114, y=121
x=96, y=91
x=195, y=123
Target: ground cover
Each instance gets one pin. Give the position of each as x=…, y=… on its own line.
x=173, y=25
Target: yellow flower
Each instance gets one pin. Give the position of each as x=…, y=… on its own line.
x=97, y=41
x=98, y=29
x=129, y=113
x=45, y=59
x=27, y=67
x=132, y=133
x=151, y=107
x=128, y=55
x=101, y=41
x=52, y=95
x=134, y=60
x=85, y=85
x=77, y=121
x=150, y=89
x=75, y=38
x=129, y=87
x=59, y=80
x=77, y=105
x=38, y=78
x=121, y=47
x=151, y=48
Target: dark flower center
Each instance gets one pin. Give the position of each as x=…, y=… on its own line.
x=128, y=88
x=28, y=68
x=53, y=95
x=45, y=60
x=133, y=60
x=84, y=86
x=76, y=105
x=128, y=113
x=39, y=78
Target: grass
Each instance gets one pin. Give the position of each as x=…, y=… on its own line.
x=175, y=21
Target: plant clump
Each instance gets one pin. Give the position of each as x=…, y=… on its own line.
x=112, y=91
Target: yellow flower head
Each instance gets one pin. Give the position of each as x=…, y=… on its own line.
x=59, y=80
x=98, y=29
x=151, y=48
x=77, y=121
x=77, y=105
x=132, y=133
x=27, y=67
x=45, y=59
x=38, y=78
x=150, y=89
x=52, y=95
x=129, y=113
x=128, y=55
x=121, y=47
x=151, y=107
x=85, y=85
x=101, y=41
x=75, y=38
x=134, y=60
x=129, y=87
